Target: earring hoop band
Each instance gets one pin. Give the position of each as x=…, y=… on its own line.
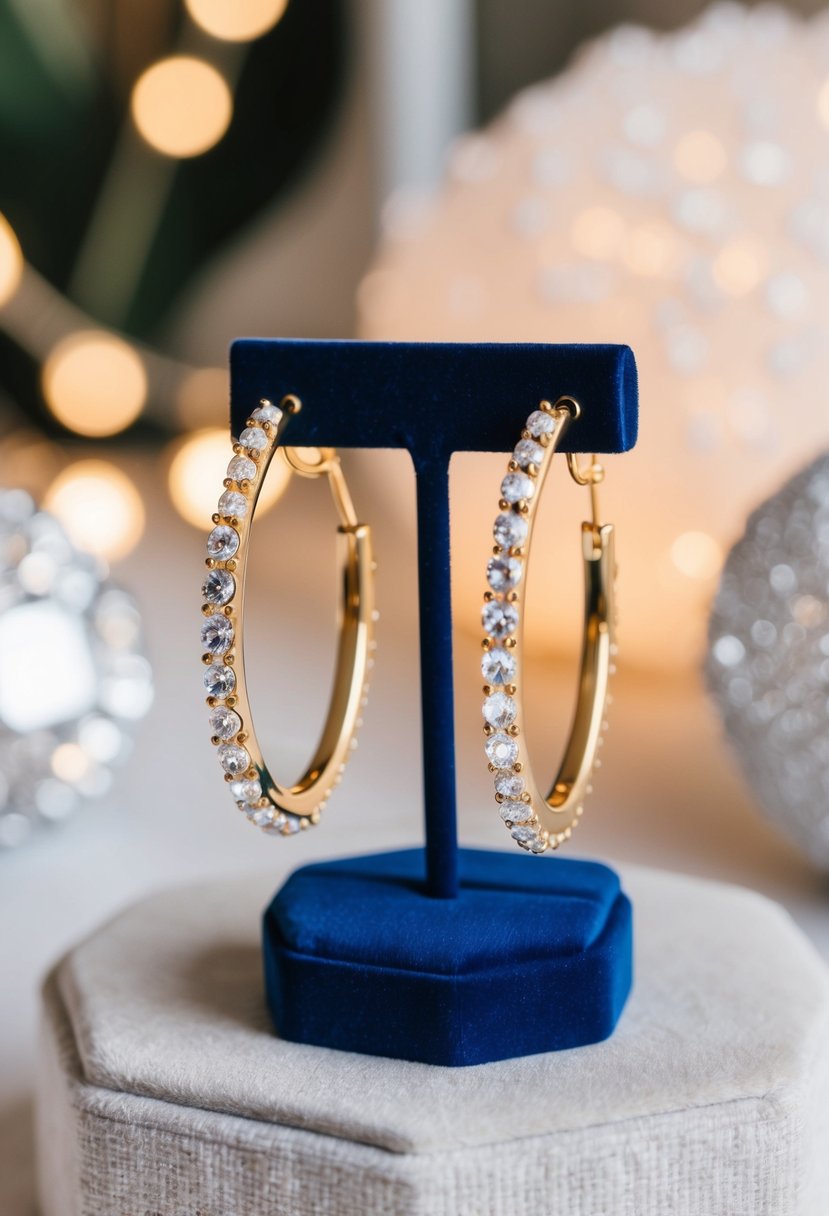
x=276, y=808
x=536, y=821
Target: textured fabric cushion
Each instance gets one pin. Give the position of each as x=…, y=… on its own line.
x=435, y=980
x=163, y=1090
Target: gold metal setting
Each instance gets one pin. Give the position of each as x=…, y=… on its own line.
x=276, y=808
x=540, y=822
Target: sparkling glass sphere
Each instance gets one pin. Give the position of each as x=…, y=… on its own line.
x=768, y=659
x=73, y=677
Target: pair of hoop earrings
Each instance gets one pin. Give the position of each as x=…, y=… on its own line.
x=537, y=822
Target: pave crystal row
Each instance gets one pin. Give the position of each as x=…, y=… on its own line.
x=500, y=619
x=245, y=470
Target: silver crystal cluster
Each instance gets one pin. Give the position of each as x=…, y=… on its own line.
x=768, y=658
x=74, y=680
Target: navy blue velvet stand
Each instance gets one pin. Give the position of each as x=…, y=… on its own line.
x=442, y=955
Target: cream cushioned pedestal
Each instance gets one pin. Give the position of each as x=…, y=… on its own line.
x=162, y=1090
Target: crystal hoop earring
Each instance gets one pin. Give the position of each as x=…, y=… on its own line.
x=280, y=809
x=538, y=822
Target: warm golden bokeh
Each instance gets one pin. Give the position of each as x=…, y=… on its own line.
x=182, y=106
x=11, y=262
x=94, y=383
x=697, y=555
x=739, y=266
x=700, y=157
x=197, y=469
x=99, y=507
x=236, y=20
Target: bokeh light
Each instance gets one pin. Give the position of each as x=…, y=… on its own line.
x=182, y=106
x=739, y=266
x=197, y=469
x=99, y=508
x=94, y=383
x=823, y=103
x=597, y=232
x=70, y=762
x=11, y=261
x=236, y=20
x=700, y=157
x=697, y=555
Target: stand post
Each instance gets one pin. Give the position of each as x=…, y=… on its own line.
x=436, y=677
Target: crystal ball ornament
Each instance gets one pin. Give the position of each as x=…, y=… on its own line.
x=74, y=680
x=768, y=659
x=669, y=191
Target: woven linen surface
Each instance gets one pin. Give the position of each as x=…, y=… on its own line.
x=163, y=1092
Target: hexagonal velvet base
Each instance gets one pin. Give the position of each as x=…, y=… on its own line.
x=533, y=956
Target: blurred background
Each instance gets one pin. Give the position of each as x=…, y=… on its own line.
x=182, y=172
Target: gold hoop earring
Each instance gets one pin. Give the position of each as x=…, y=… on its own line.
x=280, y=809
x=538, y=822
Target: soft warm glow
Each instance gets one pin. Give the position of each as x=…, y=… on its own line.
x=739, y=267
x=699, y=157
x=98, y=506
x=823, y=103
x=236, y=20
x=597, y=232
x=198, y=468
x=652, y=250
x=182, y=106
x=697, y=555
x=94, y=383
x=202, y=397
x=70, y=762
x=11, y=261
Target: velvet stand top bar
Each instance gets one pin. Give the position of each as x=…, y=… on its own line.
x=436, y=398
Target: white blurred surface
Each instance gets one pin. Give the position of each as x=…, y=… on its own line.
x=667, y=794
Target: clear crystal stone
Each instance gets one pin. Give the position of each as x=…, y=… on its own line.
x=499, y=710
x=246, y=791
x=516, y=812
x=501, y=750
x=538, y=845
x=516, y=486
x=262, y=816
x=510, y=529
x=276, y=826
x=504, y=573
x=241, y=468
x=527, y=451
x=509, y=785
x=253, y=437
x=224, y=722
x=222, y=542
x=498, y=666
x=216, y=633
x=291, y=826
x=499, y=619
x=540, y=423
x=233, y=759
x=524, y=834
x=219, y=681
x=266, y=411
x=233, y=503
x=219, y=587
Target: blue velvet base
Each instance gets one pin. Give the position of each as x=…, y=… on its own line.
x=533, y=956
